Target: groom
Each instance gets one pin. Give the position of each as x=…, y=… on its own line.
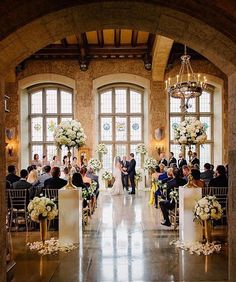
x=131, y=172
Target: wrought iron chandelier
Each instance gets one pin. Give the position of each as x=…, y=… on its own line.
x=187, y=84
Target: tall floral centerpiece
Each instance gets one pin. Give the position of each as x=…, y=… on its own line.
x=71, y=135
x=106, y=176
x=150, y=164
x=138, y=177
x=205, y=210
x=95, y=164
x=41, y=210
x=102, y=150
x=142, y=150
x=190, y=132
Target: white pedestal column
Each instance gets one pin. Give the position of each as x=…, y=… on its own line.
x=189, y=231
x=101, y=182
x=70, y=216
x=141, y=184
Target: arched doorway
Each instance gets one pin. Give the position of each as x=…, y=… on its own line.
x=28, y=32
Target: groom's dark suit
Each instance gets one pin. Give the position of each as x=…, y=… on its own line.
x=131, y=172
x=125, y=178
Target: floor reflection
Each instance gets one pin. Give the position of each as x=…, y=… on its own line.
x=124, y=242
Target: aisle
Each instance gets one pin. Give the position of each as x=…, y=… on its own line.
x=123, y=242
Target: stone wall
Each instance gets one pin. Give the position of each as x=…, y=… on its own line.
x=85, y=102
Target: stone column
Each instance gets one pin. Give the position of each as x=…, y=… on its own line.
x=158, y=115
x=232, y=177
x=2, y=186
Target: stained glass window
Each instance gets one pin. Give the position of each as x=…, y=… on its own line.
x=49, y=106
x=201, y=108
x=121, y=121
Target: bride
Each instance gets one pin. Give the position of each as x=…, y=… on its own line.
x=117, y=188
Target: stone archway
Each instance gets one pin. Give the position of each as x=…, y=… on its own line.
x=44, y=24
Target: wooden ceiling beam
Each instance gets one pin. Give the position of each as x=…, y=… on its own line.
x=100, y=38
x=134, y=38
x=151, y=40
x=82, y=43
x=117, y=36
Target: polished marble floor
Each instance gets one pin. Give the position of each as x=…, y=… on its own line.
x=123, y=242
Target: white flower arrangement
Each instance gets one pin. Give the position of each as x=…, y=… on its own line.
x=107, y=175
x=42, y=208
x=190, y=131
x=102, y=149
x=93, y=187
x=95, y=164
x=150, y=164
x=208, y=208
x=174, y=195
x=138, y=176
x=69, y=134
x=141, y=149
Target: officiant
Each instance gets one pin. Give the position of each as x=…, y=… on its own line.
x=125, y=177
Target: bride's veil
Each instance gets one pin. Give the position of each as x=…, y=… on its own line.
x=116, y=161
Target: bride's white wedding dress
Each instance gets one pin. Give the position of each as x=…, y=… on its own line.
x=117, y=188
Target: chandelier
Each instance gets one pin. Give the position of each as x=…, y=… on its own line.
x=187, y=84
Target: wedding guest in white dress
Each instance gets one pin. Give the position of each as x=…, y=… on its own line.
x=117, y=188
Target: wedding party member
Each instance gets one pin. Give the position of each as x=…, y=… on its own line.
x=162, y=159
x=169, y=203
x=125, y=177
x=45, y=161
x=78, y=182
x=131, y=172
x=181, y=161
x=36, y=161
x=55, y=182
x=117, y=188
x=208, y=174
x=172, y=159
x=55, y=162
x=185, y=171
x=12, y=177
x=65, y=161
x=194, y=159
x=221, y=179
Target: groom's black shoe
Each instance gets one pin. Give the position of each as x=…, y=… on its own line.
x=166, y=223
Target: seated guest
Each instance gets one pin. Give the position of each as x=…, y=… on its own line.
x=172, y=159
x=196, y=178
x=169, y=204
x=86, y=180
x=22, y=183
x=185, y=171
x=194, y=159
x=208, y=174
x=78, y=182
x=44, y=176
x=162, y=159
x=55, y=182
x=31, y=167
x=36, y=161
x=221, y=179
x=65, y=173
x=33, y=180
x=12, y=177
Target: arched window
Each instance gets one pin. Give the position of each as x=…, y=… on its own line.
x=48, y=106
x=121, y=125
x=202, y=109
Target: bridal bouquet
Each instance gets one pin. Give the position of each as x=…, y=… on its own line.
x=70, y=134
x=95, y=164
x=141, y=149
x=102, y=149
x=106, y=175
x=42, y=208
x=150, y=164
x=208, y=208
x=190, y=131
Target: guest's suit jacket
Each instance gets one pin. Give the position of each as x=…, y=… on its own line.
x=54, y=183
x=163, y=161
x=172, y=161
x=195, y=161
x=11, y=177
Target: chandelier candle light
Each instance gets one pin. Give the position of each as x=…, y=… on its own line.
x=187, y=84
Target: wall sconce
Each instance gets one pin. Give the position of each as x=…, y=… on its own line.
x=10, y=150
x=160, y=149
